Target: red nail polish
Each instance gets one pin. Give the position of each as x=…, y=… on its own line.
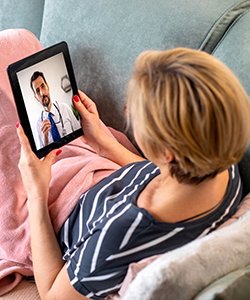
x=58, y=152
x=17, y=124
x=76, y=98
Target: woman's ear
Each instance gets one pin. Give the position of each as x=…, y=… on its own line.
x=168, y=156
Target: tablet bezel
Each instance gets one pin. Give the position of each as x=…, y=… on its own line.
x=29, y=61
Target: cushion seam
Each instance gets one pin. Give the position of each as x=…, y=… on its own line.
x=212, y=39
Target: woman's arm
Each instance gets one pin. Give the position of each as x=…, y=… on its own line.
x=49, y=269
x=96, y=135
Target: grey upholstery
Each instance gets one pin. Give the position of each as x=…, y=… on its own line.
x=22, y=14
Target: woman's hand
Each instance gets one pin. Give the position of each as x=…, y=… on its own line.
x=94, y=132
x=98, y=137
x=36, y=174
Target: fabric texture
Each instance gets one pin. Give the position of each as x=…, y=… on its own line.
x=236, y=58
x=223, y=24
x=77, y=169
x=25, y=290
x=233, y=286
x=14, y=14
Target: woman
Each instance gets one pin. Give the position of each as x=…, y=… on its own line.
x=190, y=117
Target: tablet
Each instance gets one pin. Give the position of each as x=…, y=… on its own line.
x=43, y=86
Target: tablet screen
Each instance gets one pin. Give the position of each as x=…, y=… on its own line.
x=43, y=86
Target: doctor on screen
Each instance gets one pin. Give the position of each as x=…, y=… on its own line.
x=56, y=120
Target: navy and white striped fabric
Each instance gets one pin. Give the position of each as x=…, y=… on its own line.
x=107, y=231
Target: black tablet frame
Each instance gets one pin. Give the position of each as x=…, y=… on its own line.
x=26, y=62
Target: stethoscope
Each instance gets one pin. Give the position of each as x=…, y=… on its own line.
x=64, y=132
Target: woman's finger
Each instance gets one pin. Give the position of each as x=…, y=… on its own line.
x=50, y=158
x=25, y=145
x=87, y=102
x=81, y=108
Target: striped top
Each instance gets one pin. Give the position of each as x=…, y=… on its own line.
x=107, y=231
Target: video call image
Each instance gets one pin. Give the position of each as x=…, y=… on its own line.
x=47, y=94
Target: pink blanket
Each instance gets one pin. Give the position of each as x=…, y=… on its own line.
x=76, y=170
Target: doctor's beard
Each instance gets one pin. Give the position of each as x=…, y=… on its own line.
x=46, y=101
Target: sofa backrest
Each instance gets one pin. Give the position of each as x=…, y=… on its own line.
x=26, y=14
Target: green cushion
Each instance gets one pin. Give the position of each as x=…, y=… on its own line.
x=26, y=14
x=234, y=49
x=234, y=286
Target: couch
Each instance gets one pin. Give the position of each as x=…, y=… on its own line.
x=104, y=38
